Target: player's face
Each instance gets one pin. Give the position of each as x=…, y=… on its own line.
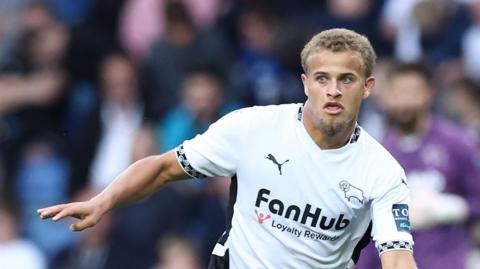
x=335, y=85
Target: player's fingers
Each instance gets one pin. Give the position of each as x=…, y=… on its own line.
x=49, y=212
x=73, y=210
x=83, y=224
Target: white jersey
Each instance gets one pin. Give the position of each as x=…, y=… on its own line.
x=294, y=205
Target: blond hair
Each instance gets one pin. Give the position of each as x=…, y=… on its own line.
x=340, y=40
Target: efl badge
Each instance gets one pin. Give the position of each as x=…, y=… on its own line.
x=400, y=215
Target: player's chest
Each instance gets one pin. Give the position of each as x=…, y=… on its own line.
x=293, y=185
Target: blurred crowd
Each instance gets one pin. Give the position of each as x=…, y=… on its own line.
x=87, y=87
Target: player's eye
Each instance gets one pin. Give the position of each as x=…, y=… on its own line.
x=322, y=79
x=347, y=80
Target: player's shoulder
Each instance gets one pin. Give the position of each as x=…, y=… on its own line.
x=266, y=113
x=383, y=171
x=378, y=156
x=275, y=109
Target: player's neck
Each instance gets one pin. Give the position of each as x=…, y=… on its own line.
x=324, y=140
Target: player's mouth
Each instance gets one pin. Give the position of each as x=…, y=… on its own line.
x=333, y=108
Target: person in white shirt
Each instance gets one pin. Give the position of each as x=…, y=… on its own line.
x=16, y=252
x=309, y=185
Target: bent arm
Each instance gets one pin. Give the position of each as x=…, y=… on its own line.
x=138, y=181
x=398, y=259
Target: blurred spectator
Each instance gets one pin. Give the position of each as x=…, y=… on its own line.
x=463, y=104
x=183, y=48
x=33, y=82
x=36, y=16
x=470, y=43
x=94, y=38
x=35, y=72
x=426, y=29
x=204, y=212
x=16, y=252
x=32, y=88
x=112, y=139
x=143, y=21
x=92, y=248
x=177, y=253
x=10, y=11
x=71, y=12
x=201, y=104
x=103, y=149
x=19, y=92
x=144, y=143
x=17, y=19
x=372, y=114
x=33, y=85
x=41, y=179
x=344, y=9
x=360, y=16
x=35, y=75
x=438, y=158
x=258, y=75
x=138, y=228
x=396, y=20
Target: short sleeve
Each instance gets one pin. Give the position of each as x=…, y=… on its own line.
x=216, y=152
x=390, y=217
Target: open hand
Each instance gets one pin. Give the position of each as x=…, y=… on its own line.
x=88, y=213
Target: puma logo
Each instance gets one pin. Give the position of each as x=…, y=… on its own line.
x=272, y=158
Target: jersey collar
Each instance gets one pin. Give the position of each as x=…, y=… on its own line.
x=355, y=134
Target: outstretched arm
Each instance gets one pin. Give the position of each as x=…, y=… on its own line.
x=138, y=181
x=398, y=259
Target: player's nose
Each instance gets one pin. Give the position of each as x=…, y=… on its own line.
x=333, y=89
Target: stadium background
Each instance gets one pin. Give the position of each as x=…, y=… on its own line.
x=87, y=87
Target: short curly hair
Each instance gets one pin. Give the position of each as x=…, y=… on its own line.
x=339, y=40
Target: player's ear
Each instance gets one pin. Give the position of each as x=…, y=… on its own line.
x=368, y=87
x=304, y=81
